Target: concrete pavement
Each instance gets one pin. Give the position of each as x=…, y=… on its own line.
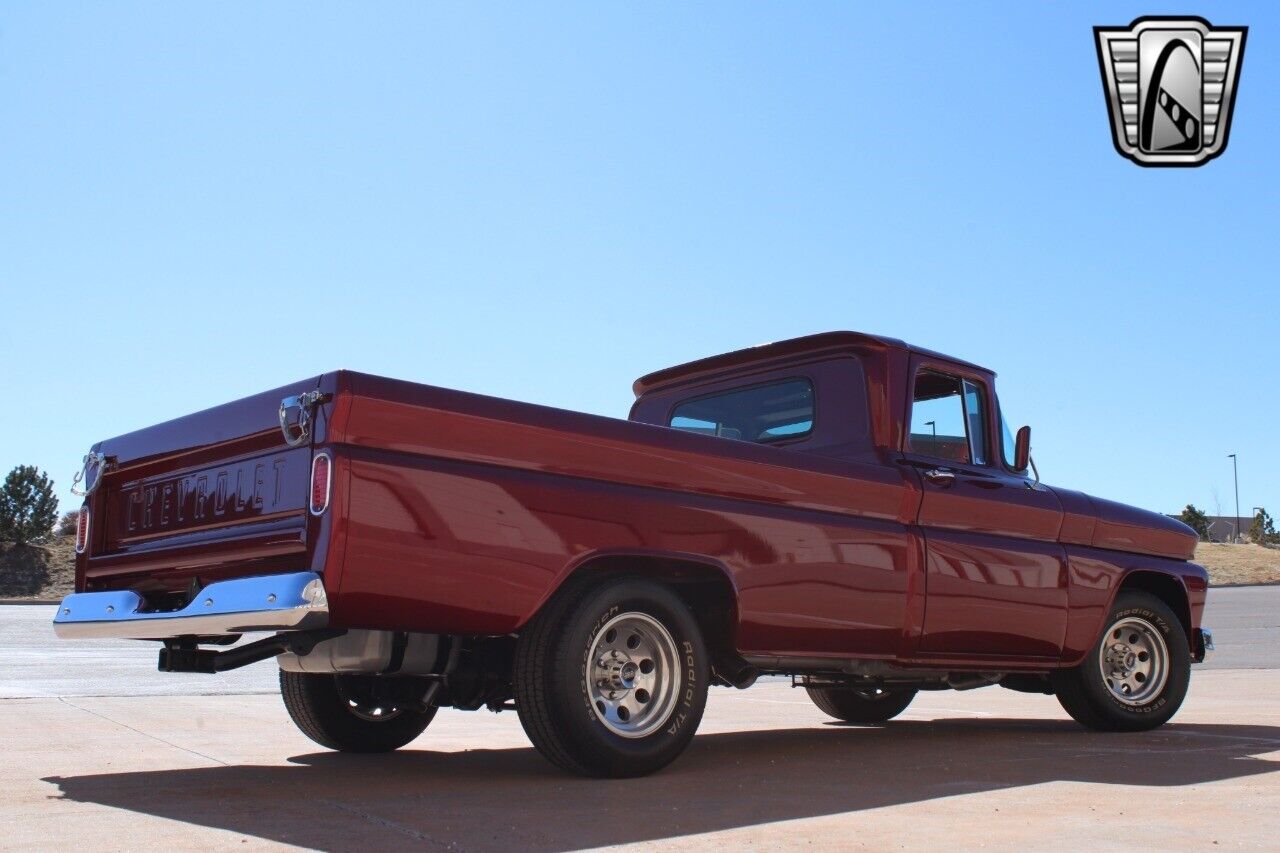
x=1246, y=627
x=990, y=768
x=33, y=662
x=92, y=763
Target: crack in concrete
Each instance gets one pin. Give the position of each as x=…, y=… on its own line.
x=392, y=825
x=178, y=746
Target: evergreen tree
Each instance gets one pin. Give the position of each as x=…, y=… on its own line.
x=28, y=508
x=1263, y=529
x=1196, y=520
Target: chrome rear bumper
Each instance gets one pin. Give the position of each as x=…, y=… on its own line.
x=269, y=603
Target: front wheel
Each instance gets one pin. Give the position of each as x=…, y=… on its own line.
x=610, y=679
x=1136, y=676
x=355, y=713
x=861, y=704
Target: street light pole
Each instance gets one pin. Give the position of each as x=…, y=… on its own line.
x=1235, y=473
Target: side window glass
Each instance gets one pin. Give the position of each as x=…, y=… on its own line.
x=689, y=424
x=763, y=413
x=938, y=418
x=975, y=420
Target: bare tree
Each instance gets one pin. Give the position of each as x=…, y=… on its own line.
x=1217, y=511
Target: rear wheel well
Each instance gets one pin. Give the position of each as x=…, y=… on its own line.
x=705, y=588
x=1167, y=588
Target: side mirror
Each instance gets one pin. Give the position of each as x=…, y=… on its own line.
x=1022, y=449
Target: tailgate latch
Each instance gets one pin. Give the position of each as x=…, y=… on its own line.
x=297, y=432
x=89, y=477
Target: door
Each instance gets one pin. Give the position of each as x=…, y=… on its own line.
x=995, y=575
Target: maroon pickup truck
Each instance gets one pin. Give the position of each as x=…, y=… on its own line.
x=845, y=509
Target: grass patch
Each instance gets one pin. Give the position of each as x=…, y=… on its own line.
x=1239, y=564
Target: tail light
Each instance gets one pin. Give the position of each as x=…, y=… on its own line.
x=321, y=482
x=82, y=530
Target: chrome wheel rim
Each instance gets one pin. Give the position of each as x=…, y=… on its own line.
x=633, y=674
x=373, y=713
x=365, y=703
x=1134, y=660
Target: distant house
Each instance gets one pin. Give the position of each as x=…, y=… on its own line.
x=1224, y=528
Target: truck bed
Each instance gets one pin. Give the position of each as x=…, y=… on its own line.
x=458, y=513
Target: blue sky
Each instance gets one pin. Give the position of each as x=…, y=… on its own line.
x=543, y=202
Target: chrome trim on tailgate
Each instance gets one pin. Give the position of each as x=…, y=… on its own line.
x=267, y=603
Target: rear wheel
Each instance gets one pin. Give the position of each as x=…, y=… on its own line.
x=862, y=704
x=1136, y=676
x=355, y=713
x=610, y=678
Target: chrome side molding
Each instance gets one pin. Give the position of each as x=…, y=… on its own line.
x=285, y=602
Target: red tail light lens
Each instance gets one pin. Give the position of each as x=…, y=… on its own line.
x=321, y=475
x=82, y=530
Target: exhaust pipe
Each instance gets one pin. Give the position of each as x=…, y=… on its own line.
x=186, y=657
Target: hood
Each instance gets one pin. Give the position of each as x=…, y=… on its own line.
x=1120, y=527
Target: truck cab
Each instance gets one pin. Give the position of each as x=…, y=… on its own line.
x=997, y=579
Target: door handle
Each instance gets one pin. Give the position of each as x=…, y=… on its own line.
x=940, y=476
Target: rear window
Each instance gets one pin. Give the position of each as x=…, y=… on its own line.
x=763, y=413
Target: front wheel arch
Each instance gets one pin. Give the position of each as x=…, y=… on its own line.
x=1170, y=589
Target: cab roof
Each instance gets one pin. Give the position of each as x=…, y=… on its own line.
x=809, y=344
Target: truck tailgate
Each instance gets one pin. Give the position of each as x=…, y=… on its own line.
x=210, y=496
